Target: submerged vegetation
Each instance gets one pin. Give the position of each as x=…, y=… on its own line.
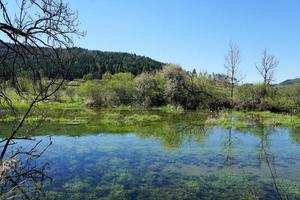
x=172, y=158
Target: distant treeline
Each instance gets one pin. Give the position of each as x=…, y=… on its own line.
x=93, y=64
x=86, y=64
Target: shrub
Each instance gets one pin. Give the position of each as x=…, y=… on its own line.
x=91, y=91
x=149, y=90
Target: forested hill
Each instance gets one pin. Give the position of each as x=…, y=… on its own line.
x=93, y=64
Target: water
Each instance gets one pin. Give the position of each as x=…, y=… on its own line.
x=189, y=162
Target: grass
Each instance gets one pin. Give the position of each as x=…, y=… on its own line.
x=75, y=113
x=34, y=119
x=112, y=119
x=226, y=120
x=275, y=119
x=171, y=109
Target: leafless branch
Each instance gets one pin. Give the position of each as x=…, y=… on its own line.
x=37, y=35
x=232, y=62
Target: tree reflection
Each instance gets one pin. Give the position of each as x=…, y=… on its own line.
x=173, y=135
x=264, y=143
x=267, y=160
x=229, y=149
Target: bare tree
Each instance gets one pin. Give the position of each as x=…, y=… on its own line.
x=232, y=62
x=34, y=38
x=266, y=70
x=267, y=67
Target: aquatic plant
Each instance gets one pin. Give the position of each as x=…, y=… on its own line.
x=136, y=118
x=171, y=109
x=227, y=120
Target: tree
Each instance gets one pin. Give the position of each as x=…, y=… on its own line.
x=118, y=88
x=186, y=89
x=266, y=70
x=232, y=62
x=198, y=90
x=194, y=72
x=34, y=36
x=267, y=67
x=175, y=91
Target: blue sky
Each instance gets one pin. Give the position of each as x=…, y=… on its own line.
x=196, y=33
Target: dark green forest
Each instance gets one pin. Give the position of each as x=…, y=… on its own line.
x=93, y=64
x=87, y=64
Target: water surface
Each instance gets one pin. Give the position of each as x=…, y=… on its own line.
x=181, y=162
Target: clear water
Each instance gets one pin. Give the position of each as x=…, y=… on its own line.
x=171, y=162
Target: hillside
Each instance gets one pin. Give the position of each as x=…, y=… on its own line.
x=289, y=82
x=94, y=64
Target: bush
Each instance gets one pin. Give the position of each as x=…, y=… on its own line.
x=293, y=93
x=175, y=90
x=248, y=97
x=91, y=91
x=118, y=88
x=149, y=90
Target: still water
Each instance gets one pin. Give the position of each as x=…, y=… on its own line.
x=170, y=162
